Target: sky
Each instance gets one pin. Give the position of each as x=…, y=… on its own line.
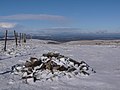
x=60, y=15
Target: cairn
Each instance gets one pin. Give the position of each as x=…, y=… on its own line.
x=51, y=65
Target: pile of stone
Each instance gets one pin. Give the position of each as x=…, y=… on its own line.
x=50, y=66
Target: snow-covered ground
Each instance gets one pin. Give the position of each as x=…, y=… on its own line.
x=105, y=60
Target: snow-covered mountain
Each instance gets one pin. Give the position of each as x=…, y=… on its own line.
x=105, y=59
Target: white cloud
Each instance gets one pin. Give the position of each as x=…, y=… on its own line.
x=32, y=17
x=7, y=25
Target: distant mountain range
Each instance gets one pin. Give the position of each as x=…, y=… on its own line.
x=65, y=36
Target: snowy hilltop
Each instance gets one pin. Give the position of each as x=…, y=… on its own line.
x=49, y=65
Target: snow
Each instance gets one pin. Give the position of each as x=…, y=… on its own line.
x=105, y=59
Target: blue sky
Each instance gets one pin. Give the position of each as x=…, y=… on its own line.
x=52, y=15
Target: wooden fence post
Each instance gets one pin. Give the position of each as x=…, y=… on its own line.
x=15, y=34
x=30, y=36
x=6, y=32
x=24, y=36
x=20, y=38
